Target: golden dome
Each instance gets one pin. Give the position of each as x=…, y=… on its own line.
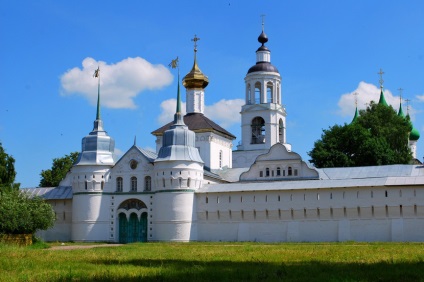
x=195, y=78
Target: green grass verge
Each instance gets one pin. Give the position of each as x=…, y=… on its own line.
x=217, y=262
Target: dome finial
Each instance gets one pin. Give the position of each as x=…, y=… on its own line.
x=262, y=37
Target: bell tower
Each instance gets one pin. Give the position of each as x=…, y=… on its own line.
x=263, y=117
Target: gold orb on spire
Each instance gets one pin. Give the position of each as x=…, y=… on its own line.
x=195, y=78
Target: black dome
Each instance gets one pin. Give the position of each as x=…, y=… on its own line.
x=263, y=38
x=263, y=66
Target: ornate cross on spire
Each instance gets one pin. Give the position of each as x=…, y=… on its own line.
x=407, y=106
x=356, y=98
x=381, y=81
x=400, y=93
x=195, y=39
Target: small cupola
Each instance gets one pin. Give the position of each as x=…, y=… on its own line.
x=195, y=79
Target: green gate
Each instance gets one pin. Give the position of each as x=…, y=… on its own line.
x=123, y=228
x=132, y=229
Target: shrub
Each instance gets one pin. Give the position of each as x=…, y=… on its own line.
x=21, y=214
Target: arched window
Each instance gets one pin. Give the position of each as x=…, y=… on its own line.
x=278, y=94
x=119, y=182
x=289, y=171
x=280, y=131
x=188, y=182
x=266, y=172
x=269, y=92
x=258, y=93
x=147, y=183
x=278, y=171
x=248, y=94
x=133, y=183
x=258, y=130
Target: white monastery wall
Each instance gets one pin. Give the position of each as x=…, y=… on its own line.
x=359, y=214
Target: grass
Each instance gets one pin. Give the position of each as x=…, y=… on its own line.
x=217, y=262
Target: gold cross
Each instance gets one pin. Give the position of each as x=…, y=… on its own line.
x=195, y=39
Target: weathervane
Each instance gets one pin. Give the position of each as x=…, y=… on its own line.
x=97, y=75
x=174, y=64
x=381, y=81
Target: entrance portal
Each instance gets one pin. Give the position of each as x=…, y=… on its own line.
x=132, y=216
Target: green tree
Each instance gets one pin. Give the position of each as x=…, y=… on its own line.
x=21, y=214
x=7, y=170
x=60, y=167
x=377, y=137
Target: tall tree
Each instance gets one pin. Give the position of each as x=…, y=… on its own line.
x=7, y=170
x=60, y=167
x=377, y=137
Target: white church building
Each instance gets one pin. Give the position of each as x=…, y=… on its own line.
x=195, y=187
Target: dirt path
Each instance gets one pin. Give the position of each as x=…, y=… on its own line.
x=75, y=247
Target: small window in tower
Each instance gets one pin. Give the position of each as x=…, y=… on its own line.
x=248, y=95
x=258, y=93
x=267, y=172
x=261, y=173
x=269, y=92
x=278, y=171
x=290, y=171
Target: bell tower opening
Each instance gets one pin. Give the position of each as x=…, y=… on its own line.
x=258, y=130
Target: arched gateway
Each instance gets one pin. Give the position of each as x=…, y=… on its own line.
x=132, y=215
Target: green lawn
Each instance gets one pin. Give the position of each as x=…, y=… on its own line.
x=217, y=262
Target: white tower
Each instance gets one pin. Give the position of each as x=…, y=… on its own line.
x=263, y=117
x=89, y=176
x=178, y=172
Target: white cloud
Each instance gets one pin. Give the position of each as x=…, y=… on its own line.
x=420, y=98
x=120, y=83
x=168, y=108
x=367, y=92
x=224, y=112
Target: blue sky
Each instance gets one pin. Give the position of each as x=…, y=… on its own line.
x=324, y=50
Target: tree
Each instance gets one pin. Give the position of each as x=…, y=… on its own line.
x=60, y=167
x=21, y=214
x=377, y=137
x=7, y=170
